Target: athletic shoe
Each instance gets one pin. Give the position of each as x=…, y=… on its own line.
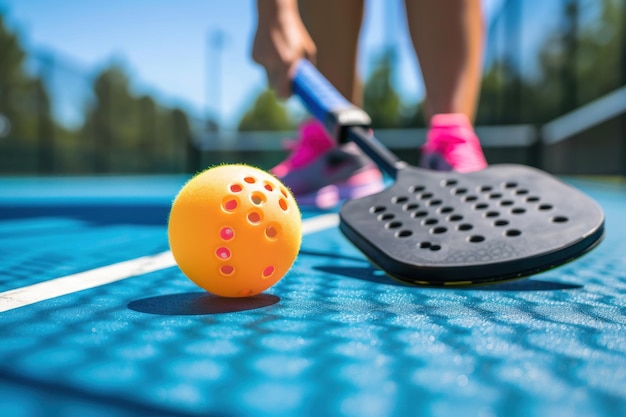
x=452, y=145
x=321, y=174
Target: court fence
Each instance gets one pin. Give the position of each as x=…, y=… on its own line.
x=598, y=149
x=590, y=140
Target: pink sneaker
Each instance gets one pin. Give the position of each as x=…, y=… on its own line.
x=452, y=145
x=321, y=174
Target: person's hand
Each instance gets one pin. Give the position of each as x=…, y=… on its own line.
x=281, y=40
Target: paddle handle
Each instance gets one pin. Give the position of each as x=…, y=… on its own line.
x=343, y=120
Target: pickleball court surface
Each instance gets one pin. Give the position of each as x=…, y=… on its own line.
x=96, y=320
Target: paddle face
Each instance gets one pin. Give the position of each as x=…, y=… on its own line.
x=504, y=222
x=434, y=228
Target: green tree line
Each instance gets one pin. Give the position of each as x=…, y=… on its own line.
x=122, y=132
x=125, y=132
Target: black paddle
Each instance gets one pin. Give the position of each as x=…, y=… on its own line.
x=447, y=228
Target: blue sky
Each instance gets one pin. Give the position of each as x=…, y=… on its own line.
x=164, y=45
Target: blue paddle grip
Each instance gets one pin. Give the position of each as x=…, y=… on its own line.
x=323, y=100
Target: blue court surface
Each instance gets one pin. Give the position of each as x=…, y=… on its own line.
x=97, y=320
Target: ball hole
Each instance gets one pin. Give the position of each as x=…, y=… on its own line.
x=459, y=191
x=426, y=196
x=271, y=232
x=284, y=192
x=470, y=198
x=255, y=217
x=230, y=204
x=476, y=239
x=455, y=218
x=491, y=214
x=222, y=253
x=509, y=184
x=545, y=207
x=227, y=233
x=495, y=196
x=424, y=245
x=258, y=198
x=399, y=199
x=506, y=203
x=268, y=272
x=227, y=270
x=250, y=180
x=532, y=199
x=446, y=210
x=449, y=182
x=377, y=209
x=438, y=230
x=411, y=207
x=518, y=210
x=464, y=227
x=435, y=248
x=416, y=188
x=420, y=213
x=513, y=233
x=485, y=188
x=521, y=192
x=268, y=186
x=236, y=188
x=501, y=222
x=430, y=222
x=480, y=206
x=283, y=204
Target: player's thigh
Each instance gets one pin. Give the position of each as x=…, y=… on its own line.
x=334, y=26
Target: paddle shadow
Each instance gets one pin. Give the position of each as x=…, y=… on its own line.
x=526, y=284
x=331, y=255
x=374, y=275
x=366, y=273
x=199, y=303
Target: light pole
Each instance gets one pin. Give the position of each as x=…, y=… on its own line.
x=215, y=43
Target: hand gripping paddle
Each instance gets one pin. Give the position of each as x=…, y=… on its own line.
x=447, y=228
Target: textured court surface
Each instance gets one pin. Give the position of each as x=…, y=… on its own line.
x=334, y=337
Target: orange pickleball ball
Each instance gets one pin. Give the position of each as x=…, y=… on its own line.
x=234, y=230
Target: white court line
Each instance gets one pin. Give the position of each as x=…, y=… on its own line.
x=69, y=284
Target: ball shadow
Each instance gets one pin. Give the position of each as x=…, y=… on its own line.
x=199, y=303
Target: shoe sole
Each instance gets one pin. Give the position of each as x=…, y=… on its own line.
x=328, y=197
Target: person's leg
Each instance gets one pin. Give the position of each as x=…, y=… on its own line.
x=335, y=27
x=317, y=171
x=448, y=39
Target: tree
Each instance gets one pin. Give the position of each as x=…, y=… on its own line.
x=24, y=101
x=181, y=133
x=380, y=100
x=599, y=51
x=149, y=137
x=134, y=133
x=109, y=121
x=266, y=114
x=578, y=62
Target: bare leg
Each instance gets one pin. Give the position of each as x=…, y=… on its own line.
x=335, y=27
x=448, y=39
